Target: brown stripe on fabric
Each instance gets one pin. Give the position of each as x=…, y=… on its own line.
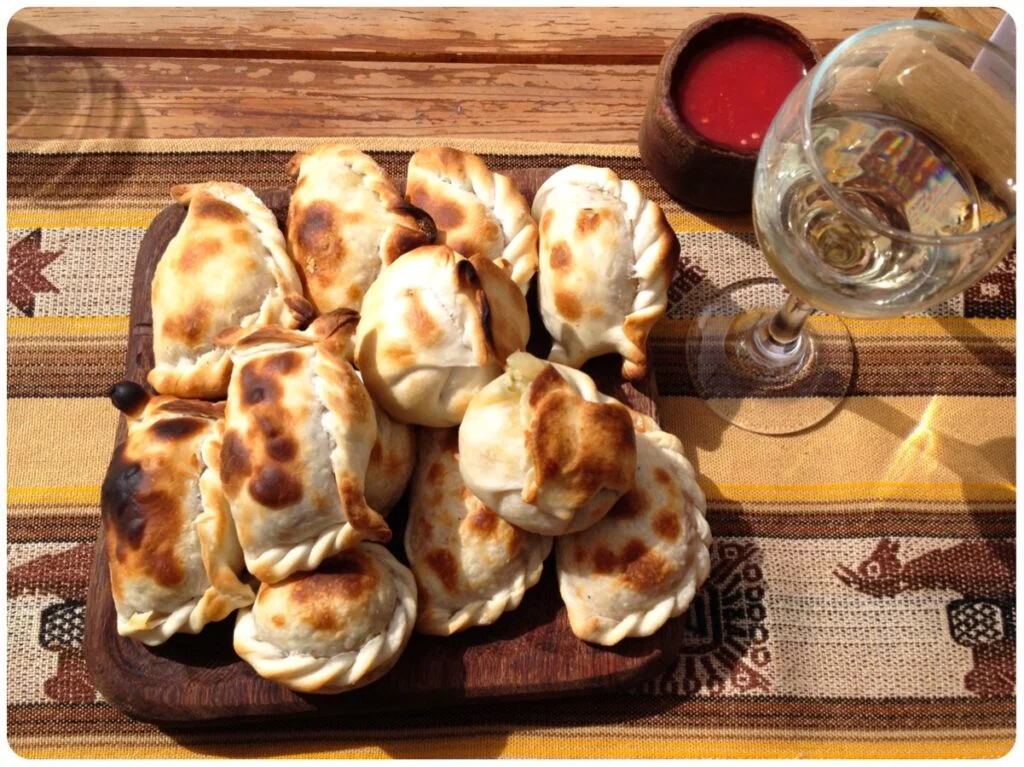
x=912, y=366
x=64, y=367
x=77, y=525
x=879, y=522
x=595, y=714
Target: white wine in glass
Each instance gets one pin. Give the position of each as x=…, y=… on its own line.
x=885, y=184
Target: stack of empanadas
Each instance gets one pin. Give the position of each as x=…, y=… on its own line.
x=310, y=378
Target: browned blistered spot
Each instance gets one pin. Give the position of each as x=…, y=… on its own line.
x=545, y=222
x=482, y=520
x=604, y=560
x=446, y=214
x=579, y=554
x=631, y=505
x=400, y=355
x=190, y=326
x=199, y=251
x=377, y=452
x=258, y=387
x=347, y=575
x=174, y=429
x=666, y=524
x=354, y=293
x=549, y=380
x=393, y=465
x=595, y=310
x=314, y=231
x=444, y=565
x=275, y=488
x=282, y=448
x=277, y=620
x=436, y=473
x=561, y=257
x=643, y=568
x=662, y=476
x=405, y=239
x=210, y=208
x=241, y=237
x=568, y=305
x=283, y=362
x=235, y=466
x=423, y=327
x=452, y=160
x=589, y=220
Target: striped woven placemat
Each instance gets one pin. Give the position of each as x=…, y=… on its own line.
x=910, y=485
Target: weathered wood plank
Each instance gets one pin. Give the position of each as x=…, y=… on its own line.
x=483, y=35
x=96, y=97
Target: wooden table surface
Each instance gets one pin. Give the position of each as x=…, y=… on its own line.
x=529, y=73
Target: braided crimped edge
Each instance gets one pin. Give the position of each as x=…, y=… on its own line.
x=344, y=671
x=644, y=623
x=655, y=255
x=438, y=622
x=208, y=374
x=505, y=204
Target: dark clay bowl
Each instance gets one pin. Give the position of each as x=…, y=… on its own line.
x=694, y=170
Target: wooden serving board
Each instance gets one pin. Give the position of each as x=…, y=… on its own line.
x=528, y=653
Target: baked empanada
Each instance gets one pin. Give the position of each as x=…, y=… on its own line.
x=332, y=630
x=226, y=267
x=345, y=222
x=297, y=434
x=477, y=212
x=171, y=545
x=607, y=256
x=470, y=564
x=644, y=561
x=392, y=460
x=544, y=449
x=435, y=328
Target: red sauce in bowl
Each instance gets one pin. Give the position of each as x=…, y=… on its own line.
x=730, y=91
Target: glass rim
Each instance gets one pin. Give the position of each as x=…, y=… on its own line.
x=805, y=126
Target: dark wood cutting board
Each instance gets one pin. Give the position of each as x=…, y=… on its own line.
x=528, y=653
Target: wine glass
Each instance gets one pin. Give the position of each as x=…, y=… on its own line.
x=885, y=184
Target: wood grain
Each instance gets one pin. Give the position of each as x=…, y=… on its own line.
x=981, y=21
x=530, y=652
x=99, y=97
x=482, y=35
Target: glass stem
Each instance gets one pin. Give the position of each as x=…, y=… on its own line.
x=781, y=334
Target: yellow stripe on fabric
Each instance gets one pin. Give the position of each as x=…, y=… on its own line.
x=78, y=218
x=933, y=447
x=526, y=746
x=959, y=327
x=67, y=326
x=686, y=222
x=54, y=495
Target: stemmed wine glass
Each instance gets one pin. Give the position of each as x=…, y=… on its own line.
x=886, y=184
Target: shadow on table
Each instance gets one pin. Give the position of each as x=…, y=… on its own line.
x=101, y=108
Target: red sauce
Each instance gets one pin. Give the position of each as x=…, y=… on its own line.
x=730, y=92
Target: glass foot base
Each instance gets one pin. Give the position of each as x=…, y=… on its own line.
x=754, y=384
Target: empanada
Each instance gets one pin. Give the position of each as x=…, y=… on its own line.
x=297, y=434
x=435, y=328
x=332, y=630
x=477, y=212
x=392, y=460
x=470, y=564
x=607, y=256
x=544, y=449
x=644, y=561
x=345, y=222
x=171, y=545
x=226, y=267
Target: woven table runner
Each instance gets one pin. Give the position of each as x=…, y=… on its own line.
x=861, y=601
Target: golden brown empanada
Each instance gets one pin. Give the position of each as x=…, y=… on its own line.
x=471, y=566
x=544, y=449
x=297, y=434
x=226, y=267
x=644, y=561
x=477, y=212
x=607, y=256
x=345, y=222
x=171, y=545
x=332, y=630
x=435, y=328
